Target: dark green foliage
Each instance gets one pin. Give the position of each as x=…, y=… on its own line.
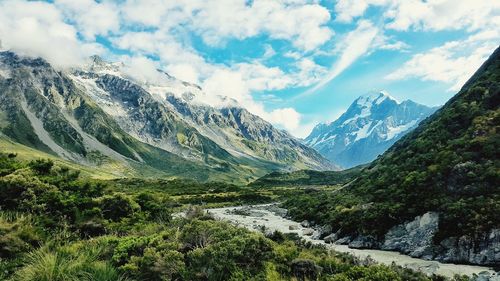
x=56, y=226
x=41, y=166
x=307, y=177
x=117, y=206
x=305, y=269
x=450, y=164
x=8, y=164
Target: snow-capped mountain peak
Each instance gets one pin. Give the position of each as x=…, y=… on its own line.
x=370, y=125
x=374, y=98
x=96, y=64
x=103, y=109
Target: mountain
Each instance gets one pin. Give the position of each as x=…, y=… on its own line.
x=435, y=194
x=371, y=124
x=99, y=115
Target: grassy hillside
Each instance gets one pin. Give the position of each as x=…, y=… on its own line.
x=450, y=164
x=56, y=226
x=25, y=153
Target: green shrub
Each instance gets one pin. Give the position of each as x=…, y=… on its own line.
x=117, y=206
x=41, y=166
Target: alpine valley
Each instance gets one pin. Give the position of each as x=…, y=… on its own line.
x=99, y=116
x=106, y=176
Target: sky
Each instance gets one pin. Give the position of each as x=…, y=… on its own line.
x=295, y=63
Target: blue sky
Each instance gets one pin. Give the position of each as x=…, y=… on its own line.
x=293, y=62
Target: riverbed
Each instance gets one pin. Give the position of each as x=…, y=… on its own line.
x=271, y=218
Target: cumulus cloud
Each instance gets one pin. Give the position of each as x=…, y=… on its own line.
x=158, y=34
x=38, y=29
x=143, y=70
x=300, y=22
x=184, y=71
x=237, y=81
x=433, y=15
x=347, y=10
x=233, y=84
x=90, y=17
x=452, y=63
x=287, y=117
x=444, y=14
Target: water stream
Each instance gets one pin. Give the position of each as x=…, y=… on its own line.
x=258, y=216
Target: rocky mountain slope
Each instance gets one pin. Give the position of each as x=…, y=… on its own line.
x=435, y=193
x=371, y=124
x=98, y=114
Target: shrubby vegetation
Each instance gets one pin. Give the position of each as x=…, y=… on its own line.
x=55, y=226
x=449, y=164
x=307, y=177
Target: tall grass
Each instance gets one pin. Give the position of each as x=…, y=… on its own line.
x=66, y=264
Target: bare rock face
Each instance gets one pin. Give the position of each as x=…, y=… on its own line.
x=321, y=231
x=305, y=223
x=100, y=109
x=483, y=250
x=364, y=242
x=332, y=238
x=416, y=239
x=413, y=238
x=308, y=231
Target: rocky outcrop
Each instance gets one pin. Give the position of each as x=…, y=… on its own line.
x=413, y=238
x=321, y=232
x=482, y=250
x=364, y=242
x=416, y=239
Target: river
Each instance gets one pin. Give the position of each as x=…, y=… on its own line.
x=258, y=216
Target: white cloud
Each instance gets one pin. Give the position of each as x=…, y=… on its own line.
x=308, y=72
x=433, y=15
x=287, y=117
x=355, y=44
x=91, y=18
x=154, y=12
x=237, y=81
x=232, y=84
x=38, y=29
x=444, y=14
x=384, y=42
x=452, y=63
x=143, y=70
x=347, y=10
x=300, y=22
x=184, y=71
x=292, y=55
x=269, y=52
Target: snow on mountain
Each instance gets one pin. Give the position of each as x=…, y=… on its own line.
x=371, y=124
x=105, y=110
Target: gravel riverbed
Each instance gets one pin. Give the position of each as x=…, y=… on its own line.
x=271, y=218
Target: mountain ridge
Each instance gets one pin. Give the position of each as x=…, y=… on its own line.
x=370, y=125
x=104, y=115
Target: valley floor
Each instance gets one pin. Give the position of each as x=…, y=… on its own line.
x=270, y=218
